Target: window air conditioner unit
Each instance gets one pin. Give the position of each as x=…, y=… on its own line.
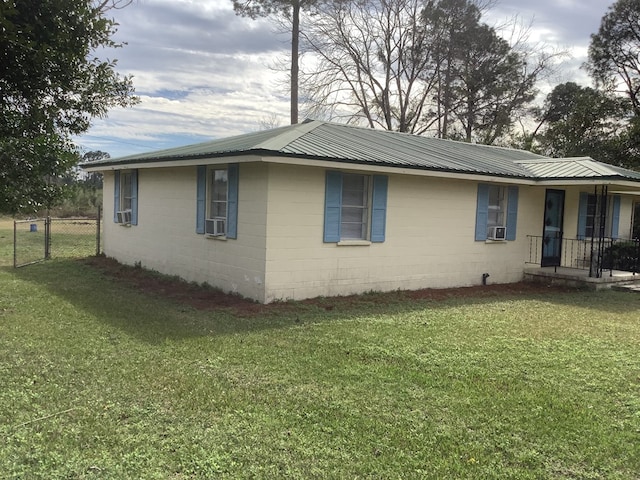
x=124, y=216
x=215, y=227
x=497, y=233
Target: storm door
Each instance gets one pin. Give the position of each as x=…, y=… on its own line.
x=552, y=231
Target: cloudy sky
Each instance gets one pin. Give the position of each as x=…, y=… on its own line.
x=203, y=73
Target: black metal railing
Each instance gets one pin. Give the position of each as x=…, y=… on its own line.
x=595, y=255
x=622, y=255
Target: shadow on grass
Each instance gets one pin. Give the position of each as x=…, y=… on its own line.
x=150, y=310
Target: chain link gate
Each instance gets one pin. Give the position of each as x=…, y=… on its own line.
x=43, y=238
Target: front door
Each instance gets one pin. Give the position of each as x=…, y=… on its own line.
x=552, y=230
x=635, y=227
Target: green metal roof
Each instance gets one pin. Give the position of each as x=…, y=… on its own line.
x=317, y=140
x=576, y=167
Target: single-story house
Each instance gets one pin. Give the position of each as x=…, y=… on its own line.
x=324, y=209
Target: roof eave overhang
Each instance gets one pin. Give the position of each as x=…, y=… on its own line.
x=161, y=162
x=295, y=159
x=403, y=170
x=267, y=156
x=609, y=181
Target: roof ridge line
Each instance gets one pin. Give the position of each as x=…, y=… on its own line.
x=296, y=131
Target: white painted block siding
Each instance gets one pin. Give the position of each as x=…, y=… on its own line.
x=165, y=238
x=429, y=239
x=279, y=253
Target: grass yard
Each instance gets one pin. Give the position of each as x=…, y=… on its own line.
x=101, y=380
x=6, y=241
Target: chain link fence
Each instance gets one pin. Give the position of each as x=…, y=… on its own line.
x=29, y=241
x=38, y=239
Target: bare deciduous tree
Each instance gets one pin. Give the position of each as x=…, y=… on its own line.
x=369, y=63
x=104, y=5
x=418, y=67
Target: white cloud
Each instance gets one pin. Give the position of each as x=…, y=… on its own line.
x=202, y=72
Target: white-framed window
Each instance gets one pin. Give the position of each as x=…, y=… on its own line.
x=592, y=214
x=217, y=200
x=355, y=207
x=592, y=210
x=126, y=190
x=355, y=212
x=216, y=221
x=126, y=197
x=496, y=215
x=496, y=212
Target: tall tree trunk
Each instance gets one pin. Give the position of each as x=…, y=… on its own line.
x=295, y=40
x=446, y=101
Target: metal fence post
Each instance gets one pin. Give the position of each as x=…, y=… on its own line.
x=47, y=237
x=98, y=230
x=15, y=245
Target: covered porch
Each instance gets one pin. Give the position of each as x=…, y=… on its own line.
x=605, y=252
x=597, y=258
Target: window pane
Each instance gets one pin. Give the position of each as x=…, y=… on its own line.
x=495, y=218
x=352, y=198
x=496, y=213
x=353, y=182
x=353, y=231
x=218, y=194
x=355, y=211
x=595, y=209
x=219, y=191
x=352, y=214
x=354, y=190
x=125, y=191
x=219, y=209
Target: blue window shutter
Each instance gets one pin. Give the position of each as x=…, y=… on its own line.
x=134, y=197
x=116, y=195
x=512, y=212
x=582, y=215
x=482, y=212
x=615, y=220
x=201, y=196
x=232, y=200
x=379, y=208
x=332, y=206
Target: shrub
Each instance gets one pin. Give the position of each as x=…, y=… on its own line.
x=623, y=256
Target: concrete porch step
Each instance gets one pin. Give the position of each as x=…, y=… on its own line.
x=574, y=277
x=627, y=287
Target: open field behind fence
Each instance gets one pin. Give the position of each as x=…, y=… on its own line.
x=27, y=241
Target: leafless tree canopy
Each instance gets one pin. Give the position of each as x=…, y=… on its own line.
x=370, y=59
x=416, y=66
x=104, y=5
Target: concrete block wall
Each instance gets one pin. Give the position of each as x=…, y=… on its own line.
x=280, y=254
x=429, y=238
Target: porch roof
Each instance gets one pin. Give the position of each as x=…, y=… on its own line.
x=576, y=168
x=324, y=141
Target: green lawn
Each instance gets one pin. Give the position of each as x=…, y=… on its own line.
x=100, y=381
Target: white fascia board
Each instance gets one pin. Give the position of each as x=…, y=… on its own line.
x=398, y=170
x=248, y=158
x=175, y=163
x=590, y=182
